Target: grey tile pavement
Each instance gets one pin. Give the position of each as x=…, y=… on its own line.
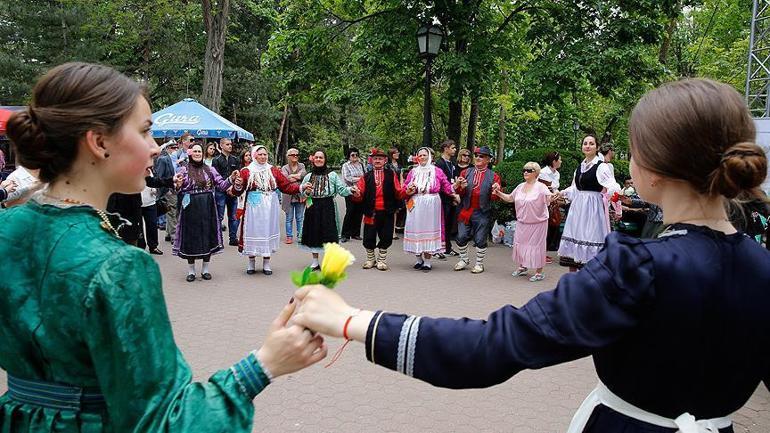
x=216, y=322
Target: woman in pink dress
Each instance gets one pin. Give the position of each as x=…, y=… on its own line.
x=531, y=199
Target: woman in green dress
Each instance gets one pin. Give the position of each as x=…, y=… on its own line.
x=85, y=335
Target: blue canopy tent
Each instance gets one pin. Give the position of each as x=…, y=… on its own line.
x=188, y=115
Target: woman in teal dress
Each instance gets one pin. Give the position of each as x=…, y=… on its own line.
x=321, y=224
x=85, y=335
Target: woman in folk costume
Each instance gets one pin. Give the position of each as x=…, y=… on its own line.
x=260, y=228
x=424, y=230
x=198, y=233
x=321, y=224
x=677, y=326
x=588, y=220
x=87, y=344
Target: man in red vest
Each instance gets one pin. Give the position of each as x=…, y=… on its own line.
x=380, y=193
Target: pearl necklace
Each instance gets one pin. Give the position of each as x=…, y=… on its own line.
x=105, y=223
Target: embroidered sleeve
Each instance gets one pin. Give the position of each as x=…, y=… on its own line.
x=339, y=187
x=284, y=184
x=605, y=174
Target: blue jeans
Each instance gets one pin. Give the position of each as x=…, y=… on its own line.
x=224, y=200
x=296, y=212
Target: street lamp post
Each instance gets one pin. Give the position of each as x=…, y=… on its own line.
x=429, y=38
x=576, y=128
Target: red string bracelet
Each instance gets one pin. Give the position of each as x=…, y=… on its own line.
x=338, y=354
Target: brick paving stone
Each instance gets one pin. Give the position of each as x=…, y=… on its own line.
x=217, y=322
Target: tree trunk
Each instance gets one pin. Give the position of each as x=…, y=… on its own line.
x=473, y=121
x=454, y=126
x=344, y=130
x=501, y=120
x=664, y=47
x=282, y=142
x=215, y=18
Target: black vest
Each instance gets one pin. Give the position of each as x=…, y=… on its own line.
x=388, y=192
x=587, y=181
x=485, y=192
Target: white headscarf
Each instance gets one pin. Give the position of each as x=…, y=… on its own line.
x=424, y=174
x=260, y=175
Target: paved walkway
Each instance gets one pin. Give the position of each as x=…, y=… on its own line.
x=219, y=321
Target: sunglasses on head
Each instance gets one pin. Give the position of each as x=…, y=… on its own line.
x=528, y=170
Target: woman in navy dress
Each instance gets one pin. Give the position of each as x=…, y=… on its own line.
x=677, y=326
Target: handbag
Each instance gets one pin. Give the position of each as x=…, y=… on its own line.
x=161, y=205
x=554, y=214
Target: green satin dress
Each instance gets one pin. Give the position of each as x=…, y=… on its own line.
x=78, y=306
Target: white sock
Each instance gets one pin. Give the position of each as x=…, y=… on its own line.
x=266, y=263
x=426, y=262
x=191, y=270
x=252, y=264
x=420, y=260
x=315, y=263
x=205, y=268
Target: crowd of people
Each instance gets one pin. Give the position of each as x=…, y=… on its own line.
x=88, y=344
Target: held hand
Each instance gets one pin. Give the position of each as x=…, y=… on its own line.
x=292, y=348
x=354, y=190
x=8, y=185
x=456, y=199
x=496, y=187
x=307, y=187
x=323, y=310
x=178, y=181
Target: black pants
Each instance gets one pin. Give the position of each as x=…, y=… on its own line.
x=150, y=216
x=351, y=225
x=382, y=227
x=553, y=238
x=450, y=223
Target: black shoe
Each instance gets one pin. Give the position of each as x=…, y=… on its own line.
x=156, y=251
x=418, y=265
x=358, y=238
x=168, y=238
x=316, y=268
x=267, y=272
x=426, y=268
x=343, y=240
x=233, y=243
x=453, y=253
x=440, y=256
x=190, y=278
x=206, y=276
x=250, y=272
x=396, y=238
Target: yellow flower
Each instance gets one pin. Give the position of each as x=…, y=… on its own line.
x=335, y=260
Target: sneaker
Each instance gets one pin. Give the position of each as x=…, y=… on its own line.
x=537, y=277
x=521, y=272
x=289, y=240
x=233, y=243
x=453, y=253
x=206, y=276
x=190, y=278
x=440, y=256
x=462, y=264
x=477, y=269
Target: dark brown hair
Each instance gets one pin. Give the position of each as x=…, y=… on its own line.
x=550, y=158
x=68, y=101
x=392, y=152
x=447, y=144
x=699, y=131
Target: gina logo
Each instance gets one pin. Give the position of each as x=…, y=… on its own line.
x=182, y=119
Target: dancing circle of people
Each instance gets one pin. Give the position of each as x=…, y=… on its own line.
x=676, y=324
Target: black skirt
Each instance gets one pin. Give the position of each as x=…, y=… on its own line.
x=198, y=234
x=320, y=225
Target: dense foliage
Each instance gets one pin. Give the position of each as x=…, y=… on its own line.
x=518, y=74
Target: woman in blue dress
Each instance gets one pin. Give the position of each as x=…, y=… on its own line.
x=677, y=326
